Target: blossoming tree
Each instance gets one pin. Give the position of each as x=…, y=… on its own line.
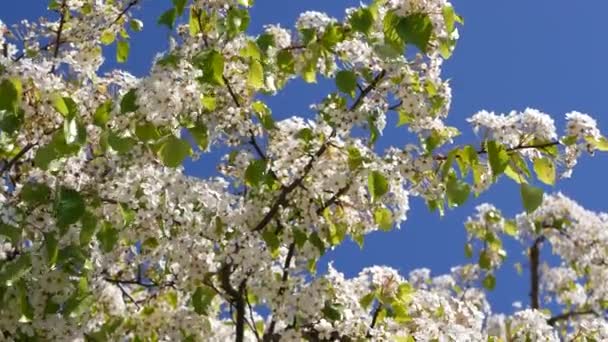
x=103, y=238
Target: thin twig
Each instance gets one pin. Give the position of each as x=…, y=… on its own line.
x=59, y=32
x=6, y=167
x=566, y=316
x=124, y=11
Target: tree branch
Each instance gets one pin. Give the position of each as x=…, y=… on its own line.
x=124, y=11
x=290, y=253
x=534, y=254
x=512, y=149
x=59, y=32
x=566, y=316
x=7, y=167
x=286, y=190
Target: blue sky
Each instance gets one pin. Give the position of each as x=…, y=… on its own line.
x=549, y=55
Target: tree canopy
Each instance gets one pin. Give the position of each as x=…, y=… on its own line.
x=103, y=237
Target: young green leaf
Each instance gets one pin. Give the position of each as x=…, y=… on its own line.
x=532, y=197
x=383, y=218
x=122, y=51
x=377, y=185
x=545, y=170
x=255, y=77
x=346, y=81
x=69, y=206
x=174, y=150
x=129, y=102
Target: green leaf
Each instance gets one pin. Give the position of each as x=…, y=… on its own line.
x=174, y=150
x=354, y=158
x=309, y=72
x=251, y=51
x=383, y=218
x=299, y=237
x=391, y=36
x=107, y=37
x=168, y=18
x=89, y=227
x=457, y=191
x=286, y=62
x=416, y=29
x=485, y=261
x=136, y=25
x=74, y=131
x=498, y=157
x=212, y=65
x=102, y=114
x=600, y=144
x=404, y=118
x=13, y=233
x=264, y=114
x=362, y=20
x=510, y=228
x=272, y=241
x=128, y=214
x=489, y=282
x=146, y=131
x=44, y=156
x=468, y=250
x=14, y=270
x=200, y=134
x=35, y=193
x=367, y=300
x=450, y=18
x=121, y=145
x=255, y=77
x=69, y=206
x=532, y=197
x=237, y=21
x=346, y=81
x=316, y=241
x=337, y=233
x=202, y=299
x=193, y=22
x=265, y=41
x=26, y=308
x=255, y=173
x=66, y=106
x=333, y=312
x=179, y=6
x=10, y=95
x=209, y=103
x=129, y=102
x=122, y=51
x=51, y=246
x=377, y=185
x=107, y=236
x=545, y=170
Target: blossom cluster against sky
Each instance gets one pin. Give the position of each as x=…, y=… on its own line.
x=512, y=55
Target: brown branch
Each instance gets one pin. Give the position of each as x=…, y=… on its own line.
x=333, y=199
x=232, y=93
x=566, y=316
x=290, y=253
x=6, y=167
x=124, y=11
x=374, y=319
x=252, y=323
x=240, y=312
x=512, y=149
x=367, y=90
x=59, y=32
x=534, y=255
